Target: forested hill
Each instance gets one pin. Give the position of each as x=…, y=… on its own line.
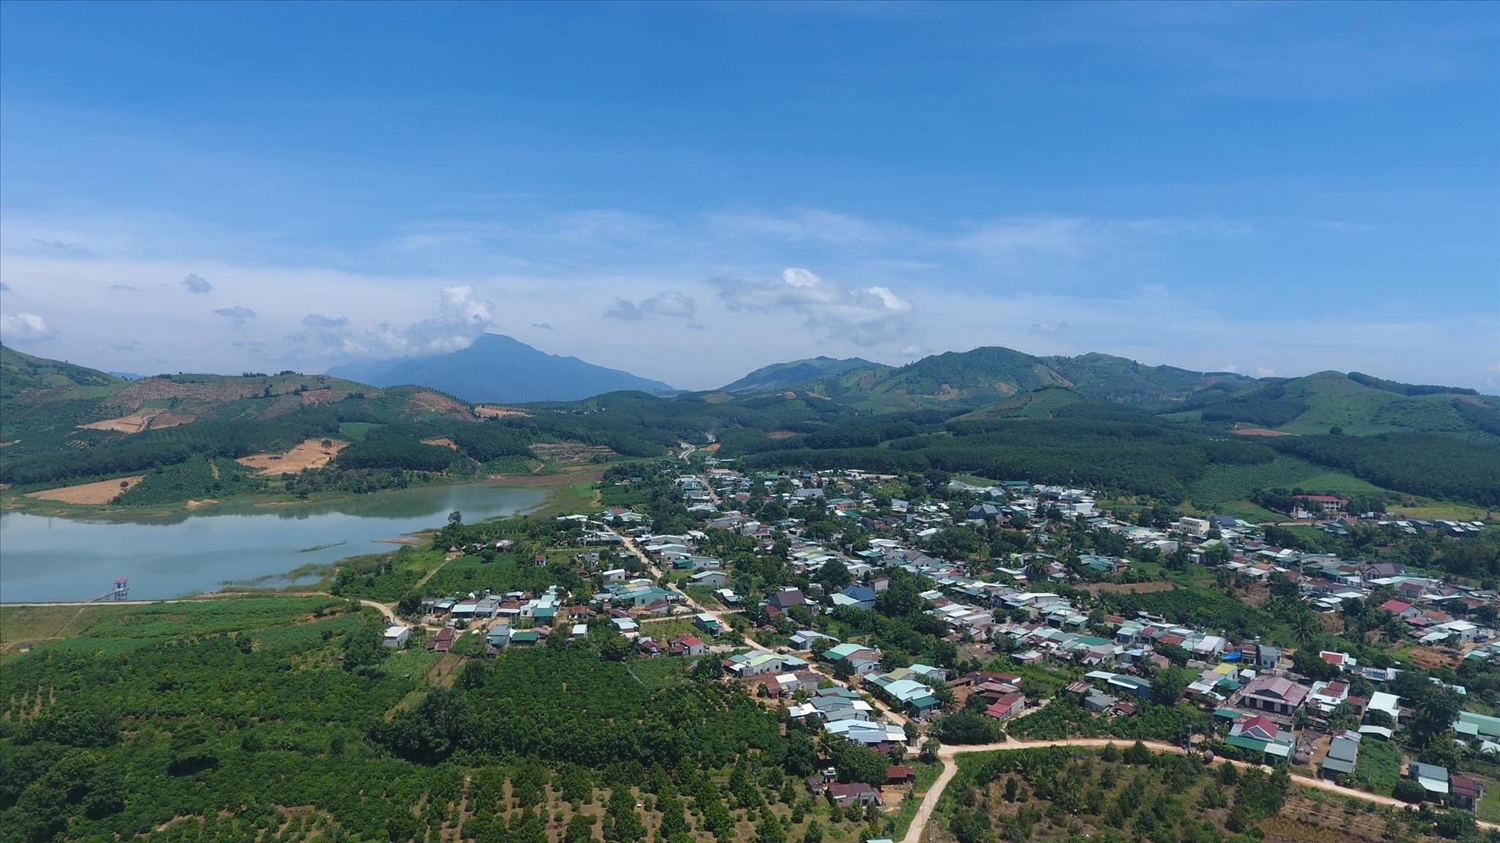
x=1354, y=404
x=782, y=375
x=20, y=372
x=985, y=375
x=500, y=369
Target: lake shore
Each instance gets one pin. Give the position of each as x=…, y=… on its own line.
x=235, y=546
x=556, y=483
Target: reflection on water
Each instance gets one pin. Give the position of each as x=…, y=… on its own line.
x=46, y=558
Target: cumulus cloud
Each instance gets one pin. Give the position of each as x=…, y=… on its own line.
x=238, y=315
x=541, y=326
x=1230, y=368
x=196, y=284
x=62, y=246
x=462, y=317
x=913, y=351
x=1264, y=372
x=670, y=304
x=861, y=315
x=24, y=328
x=1048, y=327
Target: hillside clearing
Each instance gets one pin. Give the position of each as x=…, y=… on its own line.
x=90, y=494
x=486, y=412
x=133, y=423
x=310, y=454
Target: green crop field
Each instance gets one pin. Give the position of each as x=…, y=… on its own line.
x=1233, y=483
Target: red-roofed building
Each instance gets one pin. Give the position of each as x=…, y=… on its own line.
x=1464, y=791
x=1007, y=706
x=900, y=775
x=1275, y=694
x=1328, y=503
x=1258, y=727
x=1396, y=607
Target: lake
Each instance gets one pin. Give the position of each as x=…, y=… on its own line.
x=46, y=558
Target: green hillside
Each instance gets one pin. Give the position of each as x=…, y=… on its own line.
x=986, y=375
x=1044, y=403
x=1320, y=402
x=20, y=372
x=797, y=372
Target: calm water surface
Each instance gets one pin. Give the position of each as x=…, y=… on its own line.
x=44, y=558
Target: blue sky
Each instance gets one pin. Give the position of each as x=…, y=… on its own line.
x=690, y=191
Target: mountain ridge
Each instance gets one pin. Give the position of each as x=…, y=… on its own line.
x=793, y=372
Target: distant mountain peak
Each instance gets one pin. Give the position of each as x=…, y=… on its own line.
x=499, y=369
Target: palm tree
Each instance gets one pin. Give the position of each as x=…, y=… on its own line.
x=1306, y=629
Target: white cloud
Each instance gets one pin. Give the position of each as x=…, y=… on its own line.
x=1265, y=372
x=62, y=246
x=25, y=328
x=1230, y=368
x=462, y=317
x=669, y=304
x=196, y=284
x=860, y=315
x=912, y=351
x=238, y=316
x=1048, y=327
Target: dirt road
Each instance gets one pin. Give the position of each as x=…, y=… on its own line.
x=946, y=754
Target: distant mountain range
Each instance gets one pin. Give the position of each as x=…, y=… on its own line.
x=990, y=374
x=782, y=375
x=499, y=369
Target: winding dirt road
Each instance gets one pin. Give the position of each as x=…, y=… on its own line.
x=946, y=754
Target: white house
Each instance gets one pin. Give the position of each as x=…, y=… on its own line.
x=396, y=637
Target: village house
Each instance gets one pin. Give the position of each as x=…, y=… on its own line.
x=1275, y=694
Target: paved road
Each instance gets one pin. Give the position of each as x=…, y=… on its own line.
x=950, y=768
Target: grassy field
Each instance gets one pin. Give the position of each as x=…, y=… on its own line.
x=661, y=672
x=1380, y=764
x=1443, y=511
x=273, y=622
x=1228, y=487
x=34, y=624
x=663, y=631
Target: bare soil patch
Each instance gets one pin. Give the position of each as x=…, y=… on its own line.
x=432, y=402
x=1128, y=588
x=310, y=454
x=485, y=412
x=1260, y=431
x=1427, y=658
x=204, y=502
x=780, y=434
x=317, y=396
x=717, y=398
x=7, y=444
x=133, y=423
x=92, y=494
x=442, y=442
